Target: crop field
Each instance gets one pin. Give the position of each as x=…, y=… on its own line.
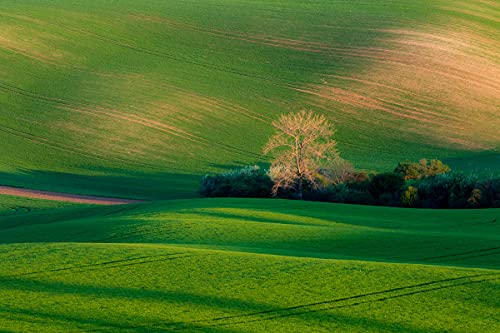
x=107, y=98
x=130, y=102
x=223, y=265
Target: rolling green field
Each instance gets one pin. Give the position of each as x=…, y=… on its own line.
x=112, y=97
x=139, y=99
x=247, y=265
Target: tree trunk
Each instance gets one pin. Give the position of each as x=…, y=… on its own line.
x=300, y=189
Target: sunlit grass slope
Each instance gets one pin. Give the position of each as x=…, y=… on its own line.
x=65, y=287
x=138, y=98
x=227, y=266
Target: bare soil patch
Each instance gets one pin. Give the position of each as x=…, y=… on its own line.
x=21, y=192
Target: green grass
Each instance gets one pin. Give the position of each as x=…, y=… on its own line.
x=274, y=226
x=138, y=99
x=147, y=96
x=223, y=265
x=11, y=205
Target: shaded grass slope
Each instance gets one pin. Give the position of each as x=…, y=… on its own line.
x=156, y=93
x=223, y=265
x=322, y=230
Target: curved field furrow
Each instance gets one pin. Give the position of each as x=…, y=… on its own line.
x=177, y=90
x=462, y=254
x=71, y=149
x=103, y=265
x=305, y=309
x=128, y=44
x=356, y=101
x=70, y=106
x=138, y=99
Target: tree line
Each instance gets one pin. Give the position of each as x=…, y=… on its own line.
x=307, y=165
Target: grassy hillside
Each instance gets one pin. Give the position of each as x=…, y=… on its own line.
x=138, y=98
x=275, y=226
x=226, y=266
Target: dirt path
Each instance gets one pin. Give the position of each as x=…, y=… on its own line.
x=21, y=192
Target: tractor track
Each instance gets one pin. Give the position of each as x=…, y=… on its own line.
x=379, y=296
x=102, y=265
x=104, y=113
x=445, y=257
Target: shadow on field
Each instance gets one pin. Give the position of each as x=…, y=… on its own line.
x=252, y=216
x=249, y=312
x=116, y=183
x=104, y=295
x=481, y=162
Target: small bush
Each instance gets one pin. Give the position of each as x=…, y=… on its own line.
x=458, y=191
x=339, y=171
x=490, y=192
x=461, y=187
x=409, y=197
x=389, y=199
x=341, y=193
x=386, y=183
x=423, y=169
x=359, y=177
x=361, y=184
x=409, y=170
x=474, y=199
x=436, y=167
x=249, y=182
x=435, y=192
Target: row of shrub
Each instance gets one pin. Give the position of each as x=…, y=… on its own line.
x=451, y=190
x=424, y=185
x=249, y=182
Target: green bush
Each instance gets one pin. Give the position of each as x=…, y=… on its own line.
x=436, y=167
x=490, y=192
x=458, y=191
x=461, y=188
x=423, y=169
x=249, y=182
x=409, y=170
x=342, y=193
x=443, y=190
x=474, y=199
x=386, y=183
x=389, y=199
x=409, y=197
x=436, y=192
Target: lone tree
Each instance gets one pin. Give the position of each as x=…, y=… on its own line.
x=302, y=146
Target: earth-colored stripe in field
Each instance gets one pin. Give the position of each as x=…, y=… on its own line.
x=21, y=192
